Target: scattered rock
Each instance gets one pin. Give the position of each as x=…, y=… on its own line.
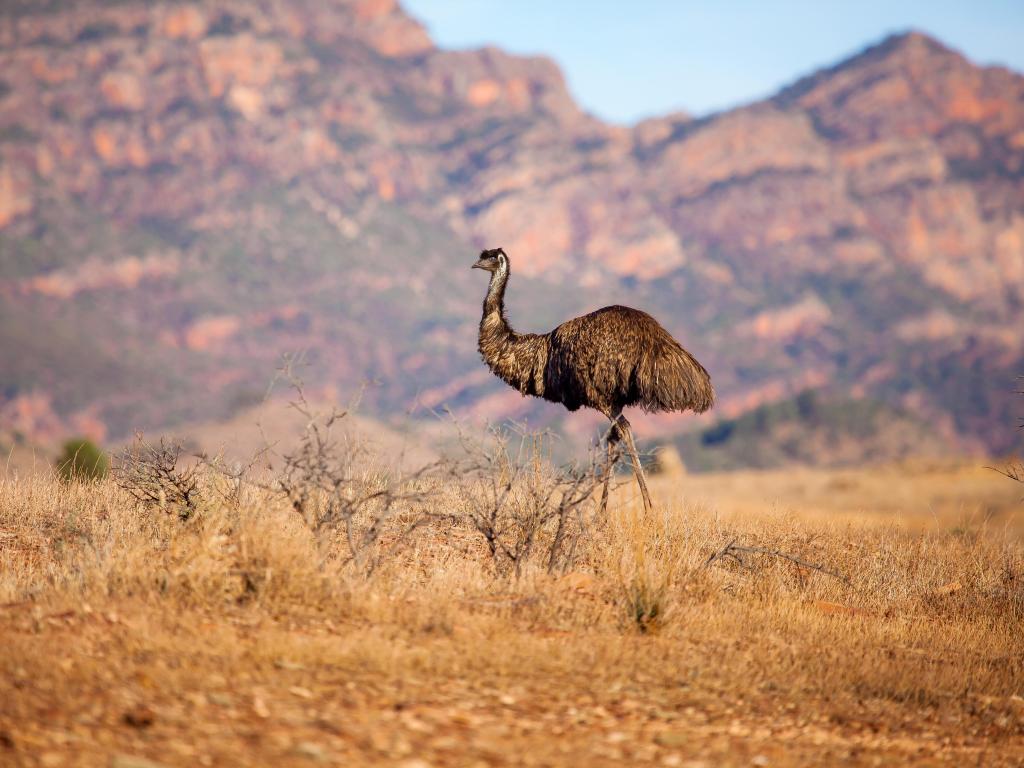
x=668, y=462
x=220, y=699
x=259, y=706
x=673, y=739
x=133, y=761
x=139, y=716
x=312, y=751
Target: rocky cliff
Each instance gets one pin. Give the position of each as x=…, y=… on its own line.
x=189, y=189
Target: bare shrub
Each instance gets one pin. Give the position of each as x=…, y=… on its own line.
x=521, y=503
x=331, y=482
x=1014, y=471
x=155, y=476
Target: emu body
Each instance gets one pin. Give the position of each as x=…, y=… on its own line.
x=607, y=360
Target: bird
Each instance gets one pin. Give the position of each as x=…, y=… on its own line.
x=608, y=360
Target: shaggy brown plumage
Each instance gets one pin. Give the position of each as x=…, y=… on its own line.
x=607, y=360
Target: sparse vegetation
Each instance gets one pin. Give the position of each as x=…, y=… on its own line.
x=15, y=132
x=647, y=555
x=156, y=476
x=522, y=504
x=343, y=494
x=248, y=636
x=82, y=460
x=1014, y=470
x=810, y=428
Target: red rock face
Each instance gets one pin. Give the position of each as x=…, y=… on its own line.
x=16, y=197
x=190, y=169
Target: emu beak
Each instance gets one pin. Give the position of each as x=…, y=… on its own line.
x=479, y=265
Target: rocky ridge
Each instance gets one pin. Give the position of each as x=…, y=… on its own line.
x=189, y=189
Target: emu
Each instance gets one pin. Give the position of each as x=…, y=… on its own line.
x=607, y=360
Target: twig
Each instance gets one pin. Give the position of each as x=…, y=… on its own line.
x=325, y=481
x=1013, y=471
x=153, y=475
x=510, y=600
x=519, y=502
x=733, y=550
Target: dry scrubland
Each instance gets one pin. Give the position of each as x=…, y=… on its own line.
x=248, y=635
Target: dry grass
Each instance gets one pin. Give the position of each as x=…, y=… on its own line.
x=236, y=638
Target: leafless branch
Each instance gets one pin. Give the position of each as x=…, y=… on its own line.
x=1015, y=469
x=328, y=480
x=519, y=502
x=154, y=475
x=734, y=551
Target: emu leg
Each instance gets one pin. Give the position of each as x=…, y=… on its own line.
x=611, y=441
x=627, y=434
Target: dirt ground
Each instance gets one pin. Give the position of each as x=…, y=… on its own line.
x=131, y=641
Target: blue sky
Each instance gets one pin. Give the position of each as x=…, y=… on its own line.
x=626, y=60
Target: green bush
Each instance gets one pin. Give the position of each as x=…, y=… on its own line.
x=82, y=459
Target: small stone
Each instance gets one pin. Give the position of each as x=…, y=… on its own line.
x=132, y=761
x=140, y=716
x=673, y=739
x=259, y=706
x=311, y=750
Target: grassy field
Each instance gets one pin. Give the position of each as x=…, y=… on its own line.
x=248, y=635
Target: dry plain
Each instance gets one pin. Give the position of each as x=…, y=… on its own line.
x=242, y=636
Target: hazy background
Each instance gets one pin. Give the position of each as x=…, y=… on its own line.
x=190, y=190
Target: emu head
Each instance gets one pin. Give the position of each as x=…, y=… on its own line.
x=491, y=260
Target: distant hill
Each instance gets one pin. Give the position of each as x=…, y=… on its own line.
x=187, y=190
x=812, y=430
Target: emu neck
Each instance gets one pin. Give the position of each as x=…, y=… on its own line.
x=494, y=319
x=518, y=359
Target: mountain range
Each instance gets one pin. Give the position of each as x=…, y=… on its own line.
x=190, y=189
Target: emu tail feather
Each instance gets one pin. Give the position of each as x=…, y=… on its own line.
x=670, y=379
